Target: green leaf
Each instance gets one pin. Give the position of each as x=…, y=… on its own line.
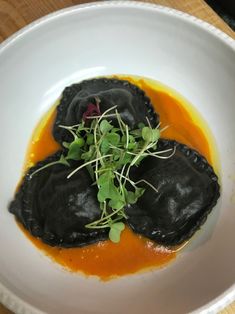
x=105, y=190
x=139, y=192
x=74, y=152
x=109, y=139
x=132, y=146
x=147, y=134
x=101, y=196
x=123, y=139
x=89, y=155
x=105, y=126
x=107, y=176
x=141, y=125
x=116, y=204
x=115, y=231
x=116, y=154
x=119, y=226
x=125, y=158
x=136, y=133
x=113, y=138
x=108, y=190
x=156, y=135
x=131, y=139
x=90, y=139
x=150, y=135
x=80, y=141
x=131, y=197
x=104, y=147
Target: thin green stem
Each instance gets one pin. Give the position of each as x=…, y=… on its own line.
x=148, y=122
x=104, y=212
x=106, y=116
x=119, y=119
x=148, y=183
x=74, y=127
x=127, y=136
x=140, y=154
x=87, y=163
x=103, y=219
x=126, y=178
x=163, y=129
x=46, y=166
x=70, y=130
x=97, y=227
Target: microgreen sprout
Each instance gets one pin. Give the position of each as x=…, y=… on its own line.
x=109, y=152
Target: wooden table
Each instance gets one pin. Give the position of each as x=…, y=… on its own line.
x=15, y=14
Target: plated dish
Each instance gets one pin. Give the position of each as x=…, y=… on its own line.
x=191, y=58
x=113, y=172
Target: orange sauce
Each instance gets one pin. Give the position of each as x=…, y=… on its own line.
x=108, y=260
x=176, y=114
x=133, y=253
x=43, y=144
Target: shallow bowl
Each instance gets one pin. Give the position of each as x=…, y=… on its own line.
x=85, y=41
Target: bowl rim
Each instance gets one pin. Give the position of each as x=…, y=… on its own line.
x=10, y=299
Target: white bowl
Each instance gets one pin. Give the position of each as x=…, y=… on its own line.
x=85, y=41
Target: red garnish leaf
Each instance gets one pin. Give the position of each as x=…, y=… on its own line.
x=92, y=110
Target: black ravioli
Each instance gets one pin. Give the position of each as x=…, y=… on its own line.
x=188, y=189
x=56, y=209
x=132, y=103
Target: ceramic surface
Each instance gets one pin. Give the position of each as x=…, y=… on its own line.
x=81, y=42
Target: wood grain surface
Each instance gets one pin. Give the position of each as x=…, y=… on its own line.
x=15, y=14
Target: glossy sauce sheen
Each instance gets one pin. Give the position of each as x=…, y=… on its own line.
x=134, y=253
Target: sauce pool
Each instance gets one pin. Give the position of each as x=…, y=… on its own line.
x=133, y=253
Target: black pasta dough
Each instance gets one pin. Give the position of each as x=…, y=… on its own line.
x=188, y=189
x=56, y=209
x=132, y=103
